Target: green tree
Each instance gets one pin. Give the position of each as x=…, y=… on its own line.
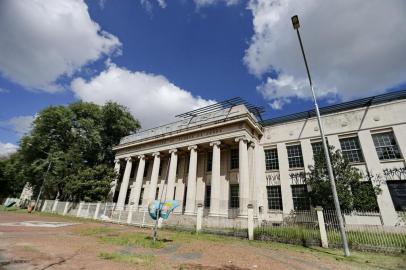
x=77, y=140
x=353, y=193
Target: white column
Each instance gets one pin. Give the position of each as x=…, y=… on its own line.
x=154, y=177
x=114, y=183
x=387, y=210
x=400, y=135
x=65, y=210
x=138, y=183
x=334, y=141
x=286, y=190
x=215, y=180
x=172, y=175
x=307, y=152
x=96, y=212
x=191, y=182
x=124, y=184
x=243, y=175
x=251, y=169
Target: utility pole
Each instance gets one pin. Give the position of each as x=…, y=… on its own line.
x=296, y=25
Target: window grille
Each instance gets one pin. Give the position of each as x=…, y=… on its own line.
x=295, y=157
x=351, y=149
x=141, y=196
x=386, y=146
x=146, y=169
x=234, y=159
x=234, y=196
x=209, y=161
x=274, y=197
x=207, y=196
x=300, y=197
x=271, y=159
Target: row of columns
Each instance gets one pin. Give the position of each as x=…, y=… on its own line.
x=245, y=170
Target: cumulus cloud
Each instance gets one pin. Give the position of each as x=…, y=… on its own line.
x=203, y=3
x=42, y=40
x=151, y=98
x=7, y=149
x=354, y=48
x=18, y=124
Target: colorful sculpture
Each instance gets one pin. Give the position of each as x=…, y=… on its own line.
x=161, y=209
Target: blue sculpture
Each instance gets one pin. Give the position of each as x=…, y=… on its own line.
x=161, y=209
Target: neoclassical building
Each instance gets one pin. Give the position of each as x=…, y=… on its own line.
x=225, y=157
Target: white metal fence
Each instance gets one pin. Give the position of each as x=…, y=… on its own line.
x=309, y=228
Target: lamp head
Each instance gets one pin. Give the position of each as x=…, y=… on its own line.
x=295, y=22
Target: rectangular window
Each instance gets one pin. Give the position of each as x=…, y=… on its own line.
x=397, y=191
x=132, y=170
x=160, y=168
x=146, y=168
x=317, y=148
x=209, y=161
x=274, y=197
x=141, y=196
x=234, y=196
x=234, y=159
x=300, y=197
x=295, y=157
x=386, y=146
x=207, y=196
x=351, y=149
x=271, y=159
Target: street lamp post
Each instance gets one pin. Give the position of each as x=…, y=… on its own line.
x=296, y=25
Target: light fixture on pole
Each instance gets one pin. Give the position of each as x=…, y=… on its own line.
x=296, y=25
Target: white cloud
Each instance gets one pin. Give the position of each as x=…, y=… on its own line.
x=4, y=90
x=42, y=40
x=162, y=3
x=203, y=3
x=18, y=124
x=151, y=98
x=149, y=6
x=354, y=48
x=7, y=149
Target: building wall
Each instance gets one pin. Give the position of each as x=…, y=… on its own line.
x=362, y=122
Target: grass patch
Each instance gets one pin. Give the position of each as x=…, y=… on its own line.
x=132, y=239
x=138, y=259
x=99, y=231
x=360, y=240
x=30, y=248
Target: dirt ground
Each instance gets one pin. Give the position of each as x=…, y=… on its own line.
x=80, y=246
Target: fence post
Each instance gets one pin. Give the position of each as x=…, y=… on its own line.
x=250, y=213
x=199, y=217
x=322, y=227
x=65, y=210
x=55, y=205
x=96, y=212
x=44, y=206
x=79, y=209
x=130, y=213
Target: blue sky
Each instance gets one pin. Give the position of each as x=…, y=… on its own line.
x=160, y=58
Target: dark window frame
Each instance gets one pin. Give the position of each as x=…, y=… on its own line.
x=271, y=159
x=234, y=196
x=386, y=146
x=300, y=197
x=351, y=149
x=234, y=159
x=274, y=195
x=295, y=156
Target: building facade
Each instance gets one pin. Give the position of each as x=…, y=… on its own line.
x=224, y=158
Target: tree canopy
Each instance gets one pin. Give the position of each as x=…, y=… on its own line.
x=77, y=140
x=353, y=193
